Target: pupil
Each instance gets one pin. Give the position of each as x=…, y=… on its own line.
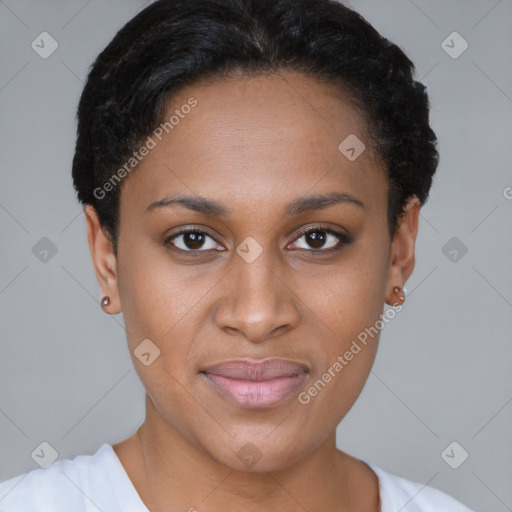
x=315, y=239
x=194, y=240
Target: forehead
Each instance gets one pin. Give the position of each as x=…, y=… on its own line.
x=263, y=134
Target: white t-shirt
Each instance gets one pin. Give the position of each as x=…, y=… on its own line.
x=99, y=482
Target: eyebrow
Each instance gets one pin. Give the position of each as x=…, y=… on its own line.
x=317, y=202
x=197, y=204
x=300, y=205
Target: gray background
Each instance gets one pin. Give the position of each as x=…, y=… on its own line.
x=442, y=373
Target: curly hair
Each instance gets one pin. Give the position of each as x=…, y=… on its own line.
x=174, y=43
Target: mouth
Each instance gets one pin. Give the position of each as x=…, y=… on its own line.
x=256, y=384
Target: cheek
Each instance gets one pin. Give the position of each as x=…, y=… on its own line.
x=167, y=304
x=346, y=350
x=349, y=303
x=348, y=297
x=158, y=304
x=157, y=295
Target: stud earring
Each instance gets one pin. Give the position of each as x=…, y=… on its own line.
x=105, y=301
x=401, y=297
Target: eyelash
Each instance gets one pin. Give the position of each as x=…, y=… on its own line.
x=343, y=240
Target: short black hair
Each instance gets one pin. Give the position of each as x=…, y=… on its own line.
x=174, y=43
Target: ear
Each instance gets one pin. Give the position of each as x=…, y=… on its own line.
x=104, y=260
x=402, y=257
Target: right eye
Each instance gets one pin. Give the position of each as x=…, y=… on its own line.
x=192, y=240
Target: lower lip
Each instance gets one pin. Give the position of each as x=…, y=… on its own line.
x=256, y=394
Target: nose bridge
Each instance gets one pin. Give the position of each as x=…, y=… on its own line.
x=256, y=302
x=254, y=271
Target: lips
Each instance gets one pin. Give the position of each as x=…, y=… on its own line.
x=256, y=384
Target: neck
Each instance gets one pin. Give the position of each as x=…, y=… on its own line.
x=174, y=474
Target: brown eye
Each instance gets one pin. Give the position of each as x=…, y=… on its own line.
x=320, y=239
x=316, y=239
x=192, y=240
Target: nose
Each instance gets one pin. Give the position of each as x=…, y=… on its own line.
x=257, y=300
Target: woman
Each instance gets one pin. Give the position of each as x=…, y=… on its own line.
x=252, y=173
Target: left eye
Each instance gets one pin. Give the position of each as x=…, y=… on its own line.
x=320, y=239
x=192, y=241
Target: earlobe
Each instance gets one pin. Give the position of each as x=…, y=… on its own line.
x=402, y=255
x=104, y=261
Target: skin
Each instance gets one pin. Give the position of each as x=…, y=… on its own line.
x=253, y=145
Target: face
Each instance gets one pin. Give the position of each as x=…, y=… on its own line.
x=248, y=238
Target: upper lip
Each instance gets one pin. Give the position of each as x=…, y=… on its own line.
x=256, y=370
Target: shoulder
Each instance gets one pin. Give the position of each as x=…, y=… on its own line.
x=397, y=493
x=67, y=485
